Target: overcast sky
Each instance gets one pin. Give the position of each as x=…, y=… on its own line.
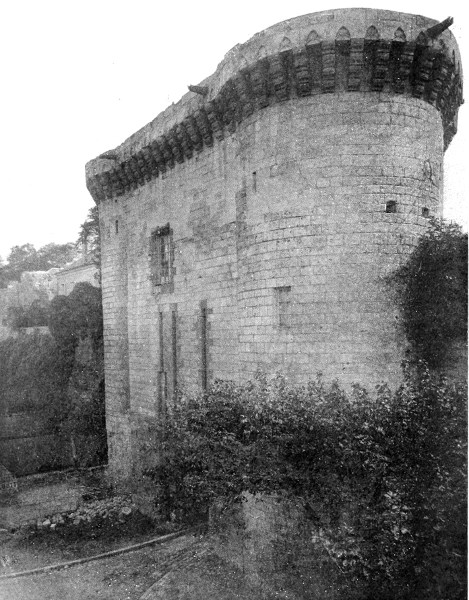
x=80, y=77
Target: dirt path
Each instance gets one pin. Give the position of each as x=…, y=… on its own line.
x=124, y=577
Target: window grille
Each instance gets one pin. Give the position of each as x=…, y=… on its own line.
x=161, y=257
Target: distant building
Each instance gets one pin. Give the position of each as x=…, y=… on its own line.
x=43, y=286
x=82, y=269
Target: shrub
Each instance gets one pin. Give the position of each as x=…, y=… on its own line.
x=77, y=316
x=39, y=372
x=35, y=315
x=381, y=476
x=432, y=293
x=32, y=373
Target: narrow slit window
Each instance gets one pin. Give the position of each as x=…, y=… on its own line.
x=117, y=226
x=254, y=181
x=391, y=206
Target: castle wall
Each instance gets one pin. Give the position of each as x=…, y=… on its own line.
x=289, y=197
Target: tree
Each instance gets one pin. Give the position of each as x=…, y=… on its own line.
x=89, y=235
x=61, y=375
x=35, y=315
x=432, y=292
x=27, y=258
x=22, y=258
x=55, y=255
x=80, y=414
x=77, y=316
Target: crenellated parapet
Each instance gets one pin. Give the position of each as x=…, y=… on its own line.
x=316, y=54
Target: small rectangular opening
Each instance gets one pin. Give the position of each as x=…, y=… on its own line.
x=254, y=181
x=425, y=212
x=391, y=206
x=283, y=306
x=117, y=226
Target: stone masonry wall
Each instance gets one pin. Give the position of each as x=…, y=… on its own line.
x=317, y=225
x=290, y=196
x=77, y=272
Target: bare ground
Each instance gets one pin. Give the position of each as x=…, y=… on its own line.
x=122, y=577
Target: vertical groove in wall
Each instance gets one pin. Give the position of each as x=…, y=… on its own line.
x=161, y=370
x=203, y=345
x=174, y=348
x=123, y=320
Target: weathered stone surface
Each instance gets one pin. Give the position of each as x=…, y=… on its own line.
x=275, y=187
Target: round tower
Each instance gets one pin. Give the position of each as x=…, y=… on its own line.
x=318, y=147
x=344, y=167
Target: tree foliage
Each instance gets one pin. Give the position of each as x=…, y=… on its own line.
x=381, y=476
x=432, y=292
x=27, y=258
x=77, y=316
x=34, y=315
x=33, y=376
x=89, y=235
x=40, y=372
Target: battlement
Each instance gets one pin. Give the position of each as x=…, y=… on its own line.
x=333, y=52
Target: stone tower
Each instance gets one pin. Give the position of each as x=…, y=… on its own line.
x=252, y=224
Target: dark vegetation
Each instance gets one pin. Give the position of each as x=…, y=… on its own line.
x=34, y=315
x=432, y=293
x=39, y=373
x=89, y=235
x=394, y=463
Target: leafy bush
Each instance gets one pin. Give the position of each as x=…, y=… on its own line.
x=40, y=373
x=77, y=316
x=35, y=315
x=381, y=476
x=33, y=373
x=432, y=292
x=80, y=414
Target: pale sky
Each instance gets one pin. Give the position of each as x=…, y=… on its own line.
x=80, y=77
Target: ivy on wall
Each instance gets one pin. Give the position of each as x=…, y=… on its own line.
x=432, y=293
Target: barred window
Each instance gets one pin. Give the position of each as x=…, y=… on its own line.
x=161, y=257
